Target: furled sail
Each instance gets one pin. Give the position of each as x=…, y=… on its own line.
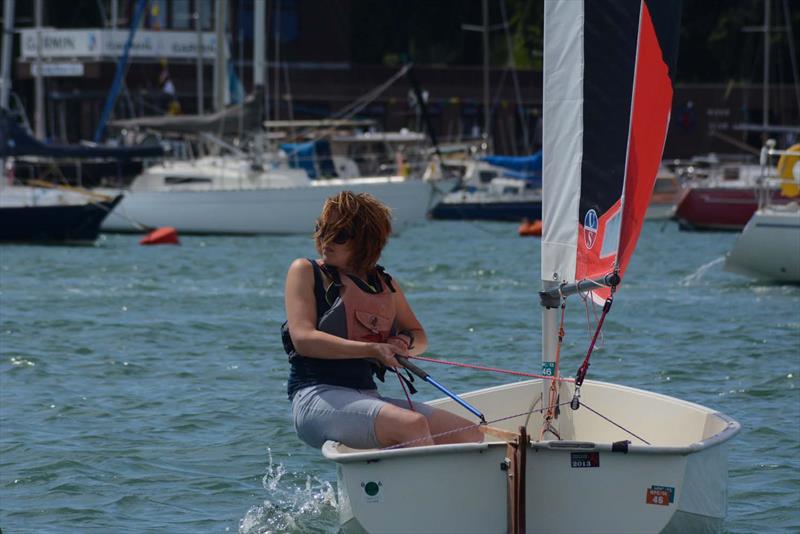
x=607, y=99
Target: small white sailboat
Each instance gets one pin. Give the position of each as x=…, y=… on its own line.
x=604, y=457
x=769, y=246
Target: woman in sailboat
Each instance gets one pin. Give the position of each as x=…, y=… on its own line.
x=346, y=321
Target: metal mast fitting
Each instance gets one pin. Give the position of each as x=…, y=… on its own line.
x=551, y=298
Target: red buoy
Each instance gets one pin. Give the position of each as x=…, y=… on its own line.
x=166, y=235
x=530, y=228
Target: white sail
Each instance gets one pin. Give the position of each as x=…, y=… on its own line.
x=563, y=137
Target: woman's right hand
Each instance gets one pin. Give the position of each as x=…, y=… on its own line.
x=384, y=353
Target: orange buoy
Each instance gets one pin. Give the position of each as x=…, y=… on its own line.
x=530, y=228
x=166, y=235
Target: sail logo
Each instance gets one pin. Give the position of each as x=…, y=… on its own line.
x=590, y=228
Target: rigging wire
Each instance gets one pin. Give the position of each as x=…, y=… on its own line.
x=615, y=424
x=490, y=369
x=459, y=429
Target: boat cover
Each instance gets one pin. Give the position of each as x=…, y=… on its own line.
x=310, y=156
x=228, y=121
x=16, y=141
x=528, y=164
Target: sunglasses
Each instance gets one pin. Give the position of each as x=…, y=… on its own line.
x=341, y=237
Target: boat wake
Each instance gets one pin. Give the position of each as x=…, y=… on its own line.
x=700, y=272
x=295, y=500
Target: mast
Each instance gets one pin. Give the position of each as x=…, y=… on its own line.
x=608, y=85
x=38, y=115
x=765, y=95
x=8, y=34
x=220, y=63
x=114, y=14
x=198, y=28
x=486, y=106
x=259, y=43
x=5, y=69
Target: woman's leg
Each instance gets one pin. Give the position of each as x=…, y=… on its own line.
x=442, y=422
x=442, y=426
x=395, y=426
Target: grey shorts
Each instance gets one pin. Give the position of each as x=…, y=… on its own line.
x=346, y=415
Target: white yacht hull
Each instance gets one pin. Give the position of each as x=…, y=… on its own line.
x=769, y=246
x=461, y=488
x=284, y=210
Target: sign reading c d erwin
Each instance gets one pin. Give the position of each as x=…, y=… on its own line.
x=108, y=44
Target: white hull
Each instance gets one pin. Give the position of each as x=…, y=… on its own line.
x=286, y=210
x=461, y=488
x=769, y=246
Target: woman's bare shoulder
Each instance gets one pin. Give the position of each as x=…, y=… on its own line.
x=301, y=267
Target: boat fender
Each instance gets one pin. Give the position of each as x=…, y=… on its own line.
x=620, y=446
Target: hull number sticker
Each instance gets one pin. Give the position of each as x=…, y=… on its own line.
x=661, y=495
x=585, y=459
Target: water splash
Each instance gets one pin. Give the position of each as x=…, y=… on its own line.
x=700, y=272
x=293, y=499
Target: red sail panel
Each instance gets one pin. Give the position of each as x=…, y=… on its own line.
x=652, y=102
x=607, y=238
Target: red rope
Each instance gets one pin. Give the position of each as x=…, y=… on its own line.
x=491, y=369
x=581, y=374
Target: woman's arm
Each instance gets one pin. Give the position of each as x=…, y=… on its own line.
x=301, y=314
x=407, y=321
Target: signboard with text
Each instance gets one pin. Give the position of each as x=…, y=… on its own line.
x=58, y=69
x=99, y=43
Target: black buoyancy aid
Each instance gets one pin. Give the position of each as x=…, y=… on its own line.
x=350, y=308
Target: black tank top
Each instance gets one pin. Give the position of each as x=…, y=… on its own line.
x=355, y=373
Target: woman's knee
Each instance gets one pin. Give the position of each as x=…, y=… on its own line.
x=397, y=425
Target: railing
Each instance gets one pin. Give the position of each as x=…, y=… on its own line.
x=769, y=179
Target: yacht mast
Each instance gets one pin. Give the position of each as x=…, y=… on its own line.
x=199, y=60
x=8, y=34
x=765, y=96
x=220, y=65
x=259, y=45
x=38, y=115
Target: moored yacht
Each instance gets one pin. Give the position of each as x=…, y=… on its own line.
x=769, y=246
x=232, y=195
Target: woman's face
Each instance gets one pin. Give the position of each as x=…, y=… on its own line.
x=337, y=255
x=339, y=249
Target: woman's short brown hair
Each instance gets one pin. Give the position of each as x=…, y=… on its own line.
x=366, y=219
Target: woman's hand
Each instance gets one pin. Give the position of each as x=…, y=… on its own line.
x=384, y=353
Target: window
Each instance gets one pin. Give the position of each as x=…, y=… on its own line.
x=487, y=176
x=184, y=180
